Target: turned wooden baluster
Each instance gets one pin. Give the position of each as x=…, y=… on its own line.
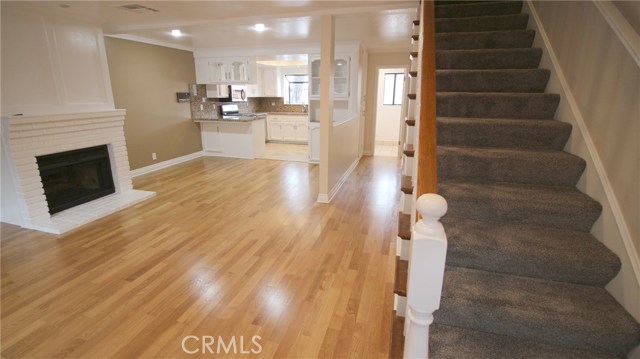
x=426, y=274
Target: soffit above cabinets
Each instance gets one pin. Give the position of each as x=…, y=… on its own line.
x=207, y=24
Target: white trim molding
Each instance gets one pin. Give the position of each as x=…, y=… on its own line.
x=165, y=164
x=628, y=36
x=327, y=198
x=567, y=96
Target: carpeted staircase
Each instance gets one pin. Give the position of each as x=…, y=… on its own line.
x=524, y=276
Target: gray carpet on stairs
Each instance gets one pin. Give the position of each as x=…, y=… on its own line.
x=524, y=276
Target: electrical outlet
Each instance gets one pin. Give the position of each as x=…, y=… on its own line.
x=201, y=107
x=273, y=104
x=153, y=156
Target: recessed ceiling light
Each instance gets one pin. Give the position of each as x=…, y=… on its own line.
x=259, y=27
x=176, y=33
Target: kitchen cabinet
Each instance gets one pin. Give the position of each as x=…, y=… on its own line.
x=237, y=139
x=211, y=138
x=314, y=142
x=287, y=128
x=341, y=76
x=223, y=70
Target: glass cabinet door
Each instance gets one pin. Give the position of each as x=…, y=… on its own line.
x=314, y=79
x=341, y=78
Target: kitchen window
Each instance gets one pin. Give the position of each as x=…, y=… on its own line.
x=393, y=88
x=298, y=89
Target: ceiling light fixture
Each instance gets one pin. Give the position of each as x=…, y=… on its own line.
x=176, y=33
x=259, y=27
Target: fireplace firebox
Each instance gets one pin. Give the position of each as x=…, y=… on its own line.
x=74, y=177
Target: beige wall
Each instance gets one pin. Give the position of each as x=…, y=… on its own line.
x=604, y=80
x=145, y=79
x=376, y=61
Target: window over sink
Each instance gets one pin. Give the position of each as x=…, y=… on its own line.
x=298, y=89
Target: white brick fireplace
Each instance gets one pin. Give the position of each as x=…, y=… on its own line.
x=23, y=199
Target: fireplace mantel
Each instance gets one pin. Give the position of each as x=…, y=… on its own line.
x=24, y=138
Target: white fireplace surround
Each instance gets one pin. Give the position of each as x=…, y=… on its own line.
x=24, y=138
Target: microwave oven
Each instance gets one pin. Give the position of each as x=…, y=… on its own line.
x=238, y=93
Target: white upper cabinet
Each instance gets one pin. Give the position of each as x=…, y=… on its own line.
x=223, y=70
x=340, y=76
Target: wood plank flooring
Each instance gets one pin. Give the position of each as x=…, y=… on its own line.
x=226, y=248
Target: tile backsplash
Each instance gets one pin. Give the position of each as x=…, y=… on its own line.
x=210, y=107
x=272, y=104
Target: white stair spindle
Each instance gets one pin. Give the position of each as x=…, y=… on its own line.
x=426, y=274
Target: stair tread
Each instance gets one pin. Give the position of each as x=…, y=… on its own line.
x=400, y=283
x=533, y=166
x=563, y=314
x=404, y=226
x=482, y=23
x=516, y=58
x=538, y=252
x=505, y=133
x=408, y=150
x=478, y=9
x=492, y=80
x=406, y=185
x=450, y=342
x=554, y=206
x=410, y=121
x=397, y=337
x=497, y=104
x=500, y=39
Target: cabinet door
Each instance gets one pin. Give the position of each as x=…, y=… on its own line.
x=302, y=132
x=238, y=71
x=314, y=142
x=288, y=131
x=217, y=71
x=211, y=138
x=314, y=78
x=341, y=77
x=275, y=131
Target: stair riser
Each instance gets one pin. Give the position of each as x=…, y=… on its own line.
x=523, y=106
x=522, y=134
x=488, y=59
x=498, y=166
x=530, y=81
x=478, y=9
x=485, y=40
x=486, y=23
x=532, y=208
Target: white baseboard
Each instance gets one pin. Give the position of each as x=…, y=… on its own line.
x=164, y=164
x=326, y=198
x=592, y=157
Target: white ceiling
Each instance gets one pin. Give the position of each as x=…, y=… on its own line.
x=377, y=25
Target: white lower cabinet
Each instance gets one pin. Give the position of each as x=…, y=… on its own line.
x=314, y=141
x=211, y=138
x=288, y=128
x=233, y=139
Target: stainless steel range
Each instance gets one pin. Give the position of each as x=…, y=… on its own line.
x=232, y=112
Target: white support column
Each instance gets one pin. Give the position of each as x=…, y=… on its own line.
x=426, y=274
x=327, y=55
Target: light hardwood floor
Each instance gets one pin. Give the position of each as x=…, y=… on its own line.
x=226, y=248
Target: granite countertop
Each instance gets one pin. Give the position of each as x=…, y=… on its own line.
x=239, y=119
x=289, y=113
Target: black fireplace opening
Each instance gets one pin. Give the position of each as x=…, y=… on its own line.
x=74, y=177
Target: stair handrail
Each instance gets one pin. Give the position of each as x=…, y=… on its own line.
x=426, y=274
x=427, y=153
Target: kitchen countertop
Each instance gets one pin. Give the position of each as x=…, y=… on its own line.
x=288, y=113
x=241, y=119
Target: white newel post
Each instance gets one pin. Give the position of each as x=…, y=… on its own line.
x=426, y=273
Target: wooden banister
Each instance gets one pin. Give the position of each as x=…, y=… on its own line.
x=427, y=154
